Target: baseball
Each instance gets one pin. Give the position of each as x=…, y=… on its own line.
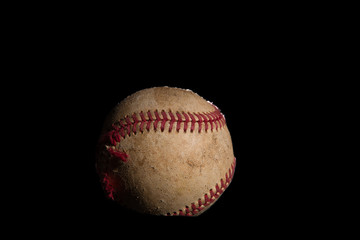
x=165, y=151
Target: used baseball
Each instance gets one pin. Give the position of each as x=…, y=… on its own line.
x=165, y=151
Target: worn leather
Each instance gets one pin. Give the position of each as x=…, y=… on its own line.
x=166, y=172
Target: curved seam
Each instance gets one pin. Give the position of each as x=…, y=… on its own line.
x=139, y=123
x=209, y=197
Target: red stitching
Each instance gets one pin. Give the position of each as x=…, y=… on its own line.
x=210, y=118
x=172, y=121
x=136, y=121
x=213, y=195
x=205, y=121
x=179, y=121
x=149, y=121
x=199, y=121
x=186, y=121
x=143, y=121
x=193, y=121
x=124, y=127
x=109, y=189
x=128, y=122
x=118, y=154
x=157, y=120
x=165, y=119
x=216, y=122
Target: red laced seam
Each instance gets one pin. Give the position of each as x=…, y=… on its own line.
x=109, y=189
x=187, y=120
x=193, y=121
x=179, y=121
x=144, y=121
x=210, y=197
x=157, y=120
x=172, y=121
x=200, y=121
x=118, y=154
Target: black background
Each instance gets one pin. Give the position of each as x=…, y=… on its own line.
x=257, y=85
x=262, y=71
